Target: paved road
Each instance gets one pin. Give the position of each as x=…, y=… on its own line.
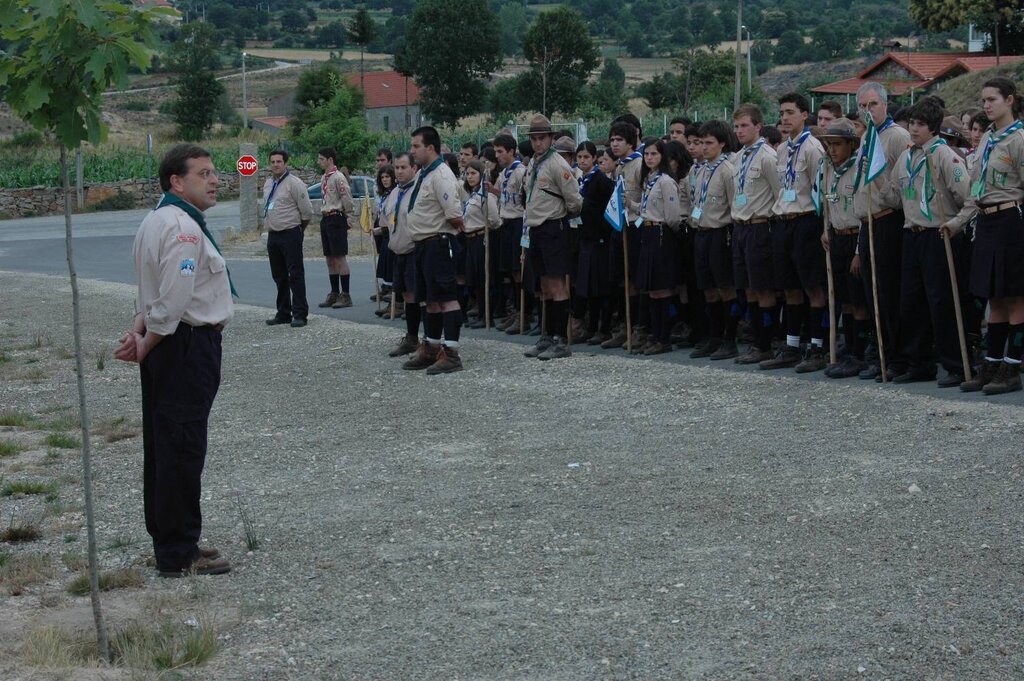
x=103, y=243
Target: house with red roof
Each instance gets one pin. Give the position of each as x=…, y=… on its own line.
x=390, y=99
x=914, y=72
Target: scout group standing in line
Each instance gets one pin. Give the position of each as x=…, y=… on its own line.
x=713, y=236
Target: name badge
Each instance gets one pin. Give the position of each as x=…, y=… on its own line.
x=524, y=240
x=270, y=206
x=638, y=222
x=575, y=222
x=697, y=212
x=910, y=193
x=789, y=195
x=741, y=199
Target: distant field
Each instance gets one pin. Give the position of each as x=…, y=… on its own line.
x=314, y=55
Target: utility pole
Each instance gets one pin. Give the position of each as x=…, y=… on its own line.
x=750, y=71
x=739, y=39
x=544, y=82
x=245, y=97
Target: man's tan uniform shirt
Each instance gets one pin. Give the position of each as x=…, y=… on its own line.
x=794, y=197
x=400, y=241
x=884, y=194
x=948, y=188
x=474, y=219
x=760, y=185
x=511, y=183
x=838, y=194
x=632, y=190
x=289, y=206
x=552, y=191
x=337, y=197
x=436, y=202
x=182, y=277
x=716, y=208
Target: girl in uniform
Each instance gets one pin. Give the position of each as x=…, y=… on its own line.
x=381, y=228
x=478, y=217
x=997, y=265
x=658, y=268
x=593, y=280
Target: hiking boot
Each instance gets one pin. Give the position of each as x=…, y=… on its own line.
x=426, y=355
x=298, y=323
x=274, y=321
x=640, y=336
x=477, y=323
x=407, y=345
x=950, y=380
x=706, y=348
x=914, y=375
x=983, y=377
x=557, y=350
x=638, y=348
x=1006, y=380
x=448, y=361
x=543, y=344
x=814, y=361
x=786, y=358
x=657, y=348
x=617, y=340
x=200, y=566
x=344, y=300
x=330, y=300
x=849, y=367
x=726, y=350
x=680, y=332
x=753, y=356
x=513, y=328
x=579, y=331
x=598, y=338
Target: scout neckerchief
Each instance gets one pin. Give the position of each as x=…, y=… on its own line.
x=586, y=180
x=536, y=171
x=626, y=159
x=837, y=174
x=978, y=190
x=398, y=202
x=862, y=160
x=469, y=198
x=927, y=191
x=381, y=200
x=169, y=199
x=745, y=162
x=695, y=172
x=273, y=190
x=792, y=153
x=419, y=181
x=506, y=175
x=709, y=174
x=648, y=186
x=327, y=177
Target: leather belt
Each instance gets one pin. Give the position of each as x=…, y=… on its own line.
x=651, y=223
x=754, y=221
x=475, y=234
x=883, y=213
x=988, y=210
x=216, y=327
x=917, y=229
x=333, y=212
x=847, y=231
x=794, y=216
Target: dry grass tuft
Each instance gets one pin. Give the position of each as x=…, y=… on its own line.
x=108, y=581
x=24, y=570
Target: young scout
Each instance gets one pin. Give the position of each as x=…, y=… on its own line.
x=435, y=217
x=552, y=195
x=711, y=216
x=400, y=243
x=837, y=192
x=997, y=264
x=757, y=186
x=337, y=214
x=509, y=191
x=932, y=182
x=798, y=259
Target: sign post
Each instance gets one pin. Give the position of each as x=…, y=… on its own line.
x=247, y=166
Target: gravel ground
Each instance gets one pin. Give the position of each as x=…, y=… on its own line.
x=600, y=517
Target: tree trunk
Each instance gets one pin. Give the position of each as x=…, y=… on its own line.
x=83, y=414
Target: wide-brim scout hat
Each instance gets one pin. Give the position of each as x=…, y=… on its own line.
x=565, y=145
x=541, y=125
x=953, y=132
x=841, y=129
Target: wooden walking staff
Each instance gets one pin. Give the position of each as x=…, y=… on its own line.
x=487, y=258
x=568, y=322
x=874, y=289
x=832, y=354
x=625, y=268
x=952, y=282
x=522, y=289
x=376, y=284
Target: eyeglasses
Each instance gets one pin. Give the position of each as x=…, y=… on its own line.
x=867, y=105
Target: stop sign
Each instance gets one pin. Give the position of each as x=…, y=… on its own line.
x=247, y=165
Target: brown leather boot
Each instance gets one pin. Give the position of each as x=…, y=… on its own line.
x=982, y=378
x=344, y=300
x=448, y=361
x=330, y=300
x=425, y=356
x=1006, y=380
x=406, y=346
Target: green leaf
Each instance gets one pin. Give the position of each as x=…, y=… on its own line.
x=35, y=95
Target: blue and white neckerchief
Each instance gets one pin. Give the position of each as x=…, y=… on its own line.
x=648, y=187
x=273, y=190
x=697, y=169
x=709, y=173
x=506, y=175
x=586, y=179
x=626, y=159
x=746, y=161
x=978, y=190
x=402, y=191
x=792, y=153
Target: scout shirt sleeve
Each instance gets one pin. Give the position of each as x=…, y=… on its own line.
x=302, y=202
x=175, y=257
x=670, y=201
x=684, y=194
x=493, y=219
x=570, y=191
x=448, y=196
x=956, y=223
x=769, y=170
x=952, y=176
x=895, y=178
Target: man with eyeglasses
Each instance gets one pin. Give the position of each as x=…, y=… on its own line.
x=880, y=200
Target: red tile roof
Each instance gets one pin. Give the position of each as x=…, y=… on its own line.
x=274, y=121
x=927, y=66
x=386, y=89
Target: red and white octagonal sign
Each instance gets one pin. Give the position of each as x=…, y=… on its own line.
x=247, y=165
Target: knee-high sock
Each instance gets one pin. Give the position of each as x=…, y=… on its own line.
x=996, y=341
x=794, y=319
x=716, y=319
x=1015, y=347
x=451, y=322
x=820, y=330
x=434, y=326
x=412, y=319
x=732, y=311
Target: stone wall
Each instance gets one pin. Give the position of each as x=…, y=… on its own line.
x=36, y=201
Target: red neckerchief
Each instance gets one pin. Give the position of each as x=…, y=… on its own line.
x=323, y=182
